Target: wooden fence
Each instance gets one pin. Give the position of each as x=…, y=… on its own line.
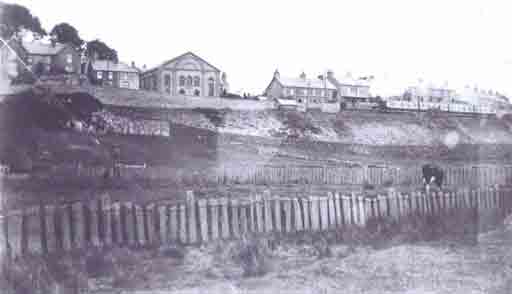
x=468, y=175
x=99, y=223
x=336, y=175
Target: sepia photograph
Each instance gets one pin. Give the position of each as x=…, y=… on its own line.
x=255, y=147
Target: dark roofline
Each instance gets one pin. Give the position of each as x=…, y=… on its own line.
x=66, y=45
x=271, y=81
x=177, y=57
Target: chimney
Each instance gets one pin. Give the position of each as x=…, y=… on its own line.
x=330, y=74
x=144, y=67
x=133, y=64
x=53, y=42
x=276, y=74
x=303, y=76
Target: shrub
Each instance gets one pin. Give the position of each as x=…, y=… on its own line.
x=252, y=255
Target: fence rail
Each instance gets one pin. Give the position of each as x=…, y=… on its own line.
x=299, y=174
x=51, y=229
x=335, y=175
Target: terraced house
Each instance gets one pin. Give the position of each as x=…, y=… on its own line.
x=301, y=89
x=114, y=74
x=187, y=74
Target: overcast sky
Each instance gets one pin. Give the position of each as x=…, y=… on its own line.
x=462, y=42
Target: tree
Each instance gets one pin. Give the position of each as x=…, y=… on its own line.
x=66, y=33
x=101, y=49
x=14, y=18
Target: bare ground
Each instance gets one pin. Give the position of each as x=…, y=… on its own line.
x=433, y=267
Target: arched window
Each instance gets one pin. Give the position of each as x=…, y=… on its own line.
x=197, y=81
x=211, y=87
x=182, y=81
x=182, y=91
x=167, y=83
x=196, y=92
x=189, y=81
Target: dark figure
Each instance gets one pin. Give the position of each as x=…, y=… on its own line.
x=432, y=174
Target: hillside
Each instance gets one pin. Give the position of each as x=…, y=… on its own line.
x=364, y=128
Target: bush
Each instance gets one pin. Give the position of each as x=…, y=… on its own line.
x=253, y=256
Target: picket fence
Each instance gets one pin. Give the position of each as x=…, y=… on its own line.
x=50, y=229
x=374, y=175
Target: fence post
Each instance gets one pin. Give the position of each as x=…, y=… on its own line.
x=268, y=211
x=105, y=221
x=299, y=225
x=235, y=218
x=15, y=233
x=214, y=212
x=314, y=213
x=94, y=224
x=33, y=225
x=192, y=219
x=224, y=218
x=393, y=203
x=306, y=204
x=182, y=221
x=130, y=224
x=338, y=210
x=244, y=223
x=115, y=224
x=287, y=205
x=324, y=213
x=277, y=215
x=173, y=223
x=203, y=219
x=332, y=210
x=259, y=214
x=347, y=210
x=51, y=239
x=149, y=223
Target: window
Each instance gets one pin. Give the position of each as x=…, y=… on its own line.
x=154, y=83
x=30, y=60
x=99, y=75
x=182, y=91
x=318, y=92
x=354, y=91
x=300, y=100
x=182, y=81
x=69, y=58
x=197, y=81
x=189, y=81
x=211, y=87
x=110, y=75
x=196, y=92
x=167, y=83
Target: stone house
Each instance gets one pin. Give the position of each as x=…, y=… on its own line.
x=52, y=57
x=305, y=91
x=351, y=89
x=187, y=74
x=114, y=74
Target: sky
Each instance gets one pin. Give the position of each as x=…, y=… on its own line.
x=461, y=42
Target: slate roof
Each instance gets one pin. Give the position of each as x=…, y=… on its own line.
x=37, y=47
x=178, y=57
x=107, y=65
x=306, y=83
